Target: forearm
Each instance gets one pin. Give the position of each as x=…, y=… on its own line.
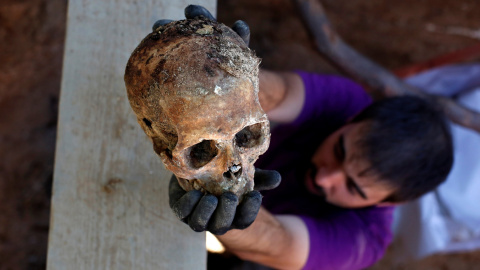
x=279, y=242
x=256, y=238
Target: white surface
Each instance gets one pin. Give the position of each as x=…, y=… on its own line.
x=110, y=200
x=447, y=219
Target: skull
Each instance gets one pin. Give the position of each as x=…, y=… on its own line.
x=193, y=85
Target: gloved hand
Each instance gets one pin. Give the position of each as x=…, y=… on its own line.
x=193, y=11
x=218, y=215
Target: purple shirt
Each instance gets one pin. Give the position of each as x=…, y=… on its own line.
x=339, y=238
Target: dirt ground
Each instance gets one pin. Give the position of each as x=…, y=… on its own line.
x=395, y=34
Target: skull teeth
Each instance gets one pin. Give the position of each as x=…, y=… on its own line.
x=235, y=168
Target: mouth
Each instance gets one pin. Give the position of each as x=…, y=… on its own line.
x=310, y=182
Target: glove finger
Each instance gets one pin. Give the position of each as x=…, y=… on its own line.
x=160, y=23
x=193, y=11
x=223, y=216
x=201, y=215
x=266, y=179
x=247, y=210
x=242, y=29
x=186, y=204
x=175, y=191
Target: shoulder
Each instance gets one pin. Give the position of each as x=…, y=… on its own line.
x=290, y=84
x=291, y=96
x=331, y=97
x=350, y=239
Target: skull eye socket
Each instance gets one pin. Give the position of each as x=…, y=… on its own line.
x=202, y=153
x=250, y=136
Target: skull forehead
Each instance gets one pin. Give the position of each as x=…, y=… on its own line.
x=159, y=64
x=214, y=90
x=159, y=75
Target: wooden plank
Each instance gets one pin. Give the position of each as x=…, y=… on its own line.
x=110, y=204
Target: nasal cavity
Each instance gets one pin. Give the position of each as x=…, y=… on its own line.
x=234, y=172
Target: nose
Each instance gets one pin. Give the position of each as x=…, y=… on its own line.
x=329, y=180
x=233, y=163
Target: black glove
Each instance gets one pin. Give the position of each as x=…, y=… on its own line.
x=218, y=215
x=194, y=11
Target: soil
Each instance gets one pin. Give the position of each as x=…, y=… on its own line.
x=31, y=52
x=394, y=34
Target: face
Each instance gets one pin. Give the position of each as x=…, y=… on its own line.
x=338, y=172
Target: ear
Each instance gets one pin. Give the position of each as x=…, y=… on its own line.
x=385, y=204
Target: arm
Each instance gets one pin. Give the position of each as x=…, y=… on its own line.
x=281, y=95
x=280, y=241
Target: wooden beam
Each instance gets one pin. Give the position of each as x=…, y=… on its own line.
x=110, y=203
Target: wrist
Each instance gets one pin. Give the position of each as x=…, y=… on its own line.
x=255, y=238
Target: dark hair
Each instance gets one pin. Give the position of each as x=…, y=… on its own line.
x=408, y=144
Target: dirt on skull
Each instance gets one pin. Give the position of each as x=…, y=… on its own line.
x=193, y=85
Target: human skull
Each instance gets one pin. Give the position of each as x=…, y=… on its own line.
x=193, y=85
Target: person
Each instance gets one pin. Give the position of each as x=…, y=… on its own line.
x=345, y=161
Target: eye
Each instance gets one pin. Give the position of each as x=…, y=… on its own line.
x=250, y=136
x=351, y=188
x=354, y=189
x=339, y=150
x=202, y=153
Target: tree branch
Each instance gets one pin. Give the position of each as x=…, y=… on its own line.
x=379, y=81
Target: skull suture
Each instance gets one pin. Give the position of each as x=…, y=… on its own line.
x=193, y=85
